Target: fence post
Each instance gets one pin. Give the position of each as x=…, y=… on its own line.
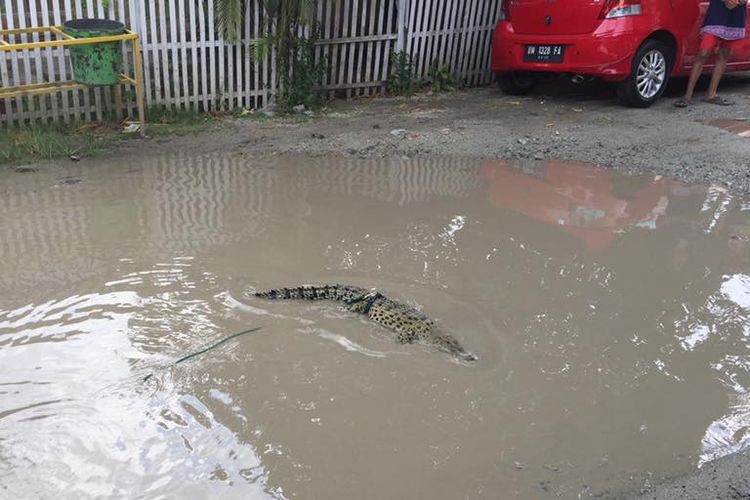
x=401, y=25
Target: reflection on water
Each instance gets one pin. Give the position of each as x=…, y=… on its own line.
x=739, y=127
x=611, y=315
x=583, y=201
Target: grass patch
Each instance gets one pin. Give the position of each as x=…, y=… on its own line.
x=43, y=142
x=50, y=141
x=163, y=122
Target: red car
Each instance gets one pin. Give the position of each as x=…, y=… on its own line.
x=638, y=44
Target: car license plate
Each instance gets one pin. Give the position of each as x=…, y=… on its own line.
x=544, y=53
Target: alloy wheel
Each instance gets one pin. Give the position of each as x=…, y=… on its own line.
x=651, y=74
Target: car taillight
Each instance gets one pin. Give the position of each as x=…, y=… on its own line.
x=620, y=8
x=504, y=10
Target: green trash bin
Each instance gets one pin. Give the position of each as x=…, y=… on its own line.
x=97, y=63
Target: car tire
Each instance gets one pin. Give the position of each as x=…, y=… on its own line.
x=652, y=66
x=517, y=82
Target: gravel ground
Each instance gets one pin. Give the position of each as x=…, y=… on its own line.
x=724, y=479
x=560, y=121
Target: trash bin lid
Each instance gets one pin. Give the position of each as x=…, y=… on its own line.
x=94, y=25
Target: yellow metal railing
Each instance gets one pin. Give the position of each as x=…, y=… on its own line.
x=67, y=41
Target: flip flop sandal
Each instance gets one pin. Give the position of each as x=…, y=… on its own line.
x=683, y=103
x=719, y=101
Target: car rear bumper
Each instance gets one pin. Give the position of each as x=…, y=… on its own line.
x=606, y=53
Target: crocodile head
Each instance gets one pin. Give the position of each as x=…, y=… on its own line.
x=450, y=345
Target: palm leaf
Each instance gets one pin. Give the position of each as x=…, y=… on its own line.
x=228, y=14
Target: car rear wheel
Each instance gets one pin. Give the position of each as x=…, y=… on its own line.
x=517, y=82
x=648, y=79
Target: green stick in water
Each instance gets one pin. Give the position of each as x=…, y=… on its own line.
x=212, y=346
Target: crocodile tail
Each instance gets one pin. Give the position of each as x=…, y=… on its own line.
x=307, y=292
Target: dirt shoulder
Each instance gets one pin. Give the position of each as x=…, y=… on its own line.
x=560, y=121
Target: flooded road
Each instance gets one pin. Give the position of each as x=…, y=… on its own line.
x=610, y=316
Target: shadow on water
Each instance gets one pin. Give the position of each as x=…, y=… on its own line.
x=610, y=314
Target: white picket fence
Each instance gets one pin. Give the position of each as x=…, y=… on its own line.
x=187, y=65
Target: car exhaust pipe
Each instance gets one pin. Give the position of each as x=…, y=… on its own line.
x=577, y=79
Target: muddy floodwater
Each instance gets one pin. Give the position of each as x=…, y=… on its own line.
x=610, y=315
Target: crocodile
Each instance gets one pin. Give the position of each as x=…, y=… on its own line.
x=409, y=324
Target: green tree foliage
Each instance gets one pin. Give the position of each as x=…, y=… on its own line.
x=285, y=20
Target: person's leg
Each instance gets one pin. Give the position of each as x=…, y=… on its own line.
x=695, y=72
x=708, y=43
x=721, y=66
